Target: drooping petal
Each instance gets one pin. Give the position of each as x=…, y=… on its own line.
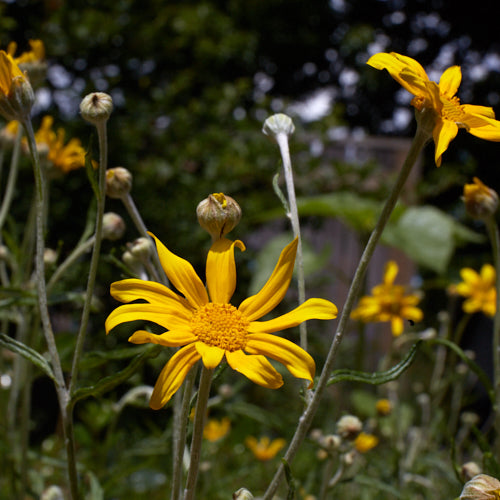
x=257, y=368
x=395, y=63
x=172, y=338
x=182, y=275
x=310, y=309
x=274, y=290
x=450, y=81
x=210, y=355
x=397, y=326
x=297, y=361
x=221, y=270
x=170, y=319
x=444, y=132
x=133, y=289
x=172, y=376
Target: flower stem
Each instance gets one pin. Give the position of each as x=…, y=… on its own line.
x=94, y=261
x=419, y=141
x=60, y=385
x=493, y=234
x=282, y=140
x=199, y=423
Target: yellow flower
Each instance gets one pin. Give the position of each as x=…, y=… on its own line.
x=480, y=200
x=383, y=407
x=365, y=442
x=264, y=449
x=479, y=290
x=16, y=94
x=65, y=157
x=450, y=114
x=216, y=429
x=389, y=302
x=210, y=327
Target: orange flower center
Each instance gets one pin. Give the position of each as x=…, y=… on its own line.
x=220, y=325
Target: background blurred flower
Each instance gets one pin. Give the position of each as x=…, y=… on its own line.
x=478, y=289
x=365, y=442
x=264, y=449
x=216, y=429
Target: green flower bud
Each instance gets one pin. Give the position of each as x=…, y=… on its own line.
x=96, y=107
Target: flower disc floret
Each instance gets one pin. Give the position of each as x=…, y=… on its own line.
x=220, y=325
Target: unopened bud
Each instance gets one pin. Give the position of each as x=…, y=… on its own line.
x=52, y=493
x=49, y=257
x=480, y=201
x=481, y=487
x=218, y=214
x=118, y=182
x=278, y=124
x=331, y=442
x=242, y=494
x=349, y=426
x=113, y=226
x=469, y=470
x=96, y=107
x=141, y=249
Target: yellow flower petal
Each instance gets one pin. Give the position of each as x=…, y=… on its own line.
x=297, y=361
x=146, y=312
x=221, y=270
x=310, y=309
x=182, y=275
x=210, y=355
x=257, y=368
x=172, y=338
x=172, y=376
x=390, y=272
x=274, y=290
x=469, y=275
x=450, y=81
x=444, y=132
x=488, y=132
x=155, y=293
x=397, y=326
x=488, y=274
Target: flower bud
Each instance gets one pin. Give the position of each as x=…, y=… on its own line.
x=96, y=107
x=118, y=182
x=469, y=470
x=349, y=426
x=49, y=257
x=113, y=226
x=330, y=442
x=480, y=201
x=481, y=487
x=278, y=124
x=141, y=249
x=52, y=493
x=218, y=214
x=242, y=494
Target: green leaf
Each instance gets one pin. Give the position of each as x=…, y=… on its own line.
x=375, y=378
x=428, y=236
x=27, y=353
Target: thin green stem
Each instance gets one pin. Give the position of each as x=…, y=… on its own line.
x=94, y=261
x=180, y=435
x=199, y=423
x=282, y=140
x=419, y=141
x=493, y=234
x=11, y=179
x=61, y=390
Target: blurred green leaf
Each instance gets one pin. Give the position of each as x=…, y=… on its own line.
x=28, y=353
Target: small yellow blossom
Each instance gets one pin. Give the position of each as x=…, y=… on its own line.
x=365, y=442
x=480, y=200
x=478, y=289
x=216, y=429
x=209, y=327
x=65, y=157
x=383, y=407
x=450, y=114
x=389, y=302
x=264, y=449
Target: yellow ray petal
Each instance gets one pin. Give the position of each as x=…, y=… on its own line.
x=390, y=272
x=450, y=81
x=182, y=275
x=172, y=338
x=484, y=111
x=221, y=270
x=310, y=309
x=488, y=274
x=297, y=361
x=397, y=326
x=488, y=132
x=172, y=376
x=133, y=289
x=257, y=368
x=210, y=355
x=274, y=290
x=444, y=132
x=159, y=314
x=469, y=275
